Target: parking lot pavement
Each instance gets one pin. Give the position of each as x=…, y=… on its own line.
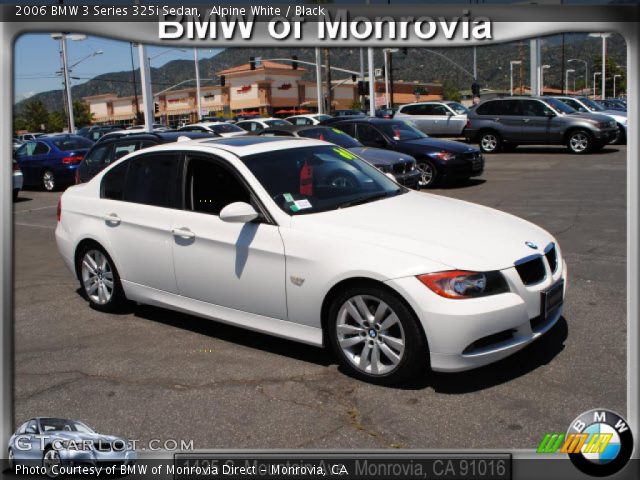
x=154, y=374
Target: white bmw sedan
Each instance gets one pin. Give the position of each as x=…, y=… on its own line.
x=304, y=240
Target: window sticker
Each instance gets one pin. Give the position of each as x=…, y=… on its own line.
x=345, y=154
x=302, y=204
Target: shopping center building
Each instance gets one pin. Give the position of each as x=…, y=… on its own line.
x=265, y=88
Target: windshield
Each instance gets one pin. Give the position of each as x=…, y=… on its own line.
x=62, y=425
x=591, y=105
x=332, y=135
x=315, y=179
x=458, y=108
x=225, y=128
x=400, y=130
x=560, y=106
x=72, y=143
x=277, y=123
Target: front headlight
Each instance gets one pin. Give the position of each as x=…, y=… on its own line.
x=460, y=284
x=443, y=155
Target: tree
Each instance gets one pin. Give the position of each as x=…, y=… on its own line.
x=451, y=92
x=57, y=121
x=81, y=114
x=612, y=69
x=36, y=116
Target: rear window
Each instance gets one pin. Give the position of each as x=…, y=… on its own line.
x=68, y=144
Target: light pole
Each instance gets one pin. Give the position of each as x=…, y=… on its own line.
x=62, y=37
x=372, y=91
x=542, y=69
x=586, y=71
x=164, y=52
x=388, y=74
x=604, y=37
x=595, y=74
x=566, y=80
x=614, y=84
x=511, y=64
x=199, y=99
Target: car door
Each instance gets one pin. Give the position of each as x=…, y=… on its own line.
x=139, y=199
x=536, y=125
x=94, y=161
x=235, y=265
x=509, y=120
x=435, y=117
x=455, y=123
x=24, y=158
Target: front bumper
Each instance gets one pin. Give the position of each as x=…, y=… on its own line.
x=409, y=179
x=460, y=168
x=18, y=180
x=500, y=324
x=607, y=135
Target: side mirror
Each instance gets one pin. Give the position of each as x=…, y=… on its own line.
x=449, y=114
x=549, y=114
x=238, y=212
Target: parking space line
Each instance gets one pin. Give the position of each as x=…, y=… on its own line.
x=34, y=209
x=35, y=226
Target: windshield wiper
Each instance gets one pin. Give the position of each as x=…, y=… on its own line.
x=368, y=198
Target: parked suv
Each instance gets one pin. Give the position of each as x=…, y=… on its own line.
x=114, y=147
x=435, y=118
x=508, y=122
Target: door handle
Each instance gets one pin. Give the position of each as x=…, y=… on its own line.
x=183, y=232
x=496, y=119
x=526, y=120
x=112, y=218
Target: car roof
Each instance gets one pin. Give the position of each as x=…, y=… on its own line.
x=241, y=146
x=373, y=120
x=162, y=137
x=295, y=128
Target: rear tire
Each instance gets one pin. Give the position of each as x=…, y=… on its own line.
x=580, y=142
x=375, y=335
x=490, y=142
x=99, y=279
x=16, y=193
x=49, y=181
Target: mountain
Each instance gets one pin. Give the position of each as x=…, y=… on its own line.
x=419, y=64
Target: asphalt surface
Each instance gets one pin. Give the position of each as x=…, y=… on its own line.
x=155, y=374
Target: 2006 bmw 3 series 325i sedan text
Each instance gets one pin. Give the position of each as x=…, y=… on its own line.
x=304, y=240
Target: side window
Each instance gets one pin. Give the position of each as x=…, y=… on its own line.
x=303, y=121
x=436, y=109
x=97, y=155
x=152, y=180
x=41, y=149
x=573, y=104
x=369, y=135
x=112, y=186
x=533, y=108
x=510, y=107
x=211, y=186
x=32, y=427
x=26, y=150
x=486, y=108
x=348, y=128
x=125, y=148
x=410, y=110
x=22, y=428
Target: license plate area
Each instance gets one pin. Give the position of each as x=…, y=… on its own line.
x=551, y=299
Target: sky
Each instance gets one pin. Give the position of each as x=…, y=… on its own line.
x=37, y=59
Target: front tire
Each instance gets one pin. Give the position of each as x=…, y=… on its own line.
x=580, y=142
x=12, y=460
x=621, y=138
x=99, y=279
x=49, y=181
x=428, y=174
x=490, y=142
x=375, y=335
x=50, y=459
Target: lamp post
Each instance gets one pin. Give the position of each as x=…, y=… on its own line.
x=604, y=37
x=388, y=75
x=566, y=80
x=614, y=84
x=595, y=74
x=62, y=38
x=542, y=69
x=511, y=64
x=199, y=98
x=586, y=71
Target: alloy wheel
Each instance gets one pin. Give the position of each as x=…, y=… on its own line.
x=51, y=459
x=49, y=180
x=579, y=142
x=370, y=335
x=427, y=174
x=489, y=142
x=12, y=460
x=97, y=277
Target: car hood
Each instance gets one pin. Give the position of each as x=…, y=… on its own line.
x=454, y=233
x=430, y=144
x=378, y=156
x=598, y=117
x=617, y=114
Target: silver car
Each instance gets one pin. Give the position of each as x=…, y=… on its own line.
x=446, y=118
x=46, y=442
x=18, y=180
x=586, y=105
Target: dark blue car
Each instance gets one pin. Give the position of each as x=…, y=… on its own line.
x=51, y=161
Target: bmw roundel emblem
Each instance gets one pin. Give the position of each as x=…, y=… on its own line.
x=607, y=444
x=531, y=245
